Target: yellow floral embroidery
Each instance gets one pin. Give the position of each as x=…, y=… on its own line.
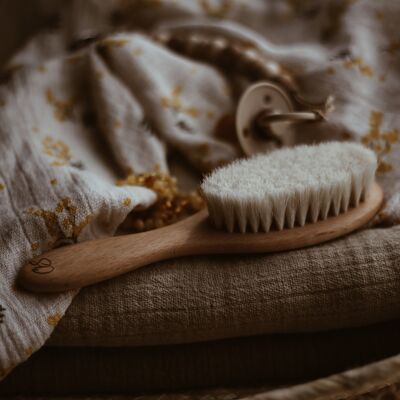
x=56, y=149
x=114, y=42
x=357, y=62
x=380, y=142
x=62, y=224
x=127, y=202
x=35, y=246
x=174, y=102
x=53, y=320
x=62, y=109
x=2, y=186
x=29, y=351
x=53, y=182
x=216, y=10
x=192, y=111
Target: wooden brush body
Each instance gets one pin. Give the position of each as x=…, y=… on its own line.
x=86, y=263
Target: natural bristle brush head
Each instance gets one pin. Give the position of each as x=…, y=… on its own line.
x=289, y=187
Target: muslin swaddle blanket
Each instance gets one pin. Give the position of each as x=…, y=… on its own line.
x=72, y=121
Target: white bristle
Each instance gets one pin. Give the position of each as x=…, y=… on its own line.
x=289, y=187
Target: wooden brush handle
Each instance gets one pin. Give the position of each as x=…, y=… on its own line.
x=89, y=262
x=93, y=261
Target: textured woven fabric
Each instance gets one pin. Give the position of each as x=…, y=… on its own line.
x=270, y=360
x=350, y=282
x=71, y=122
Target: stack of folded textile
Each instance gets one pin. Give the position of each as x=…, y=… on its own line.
x=227, y=321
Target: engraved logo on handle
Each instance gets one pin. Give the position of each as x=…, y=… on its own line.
x=42, y=266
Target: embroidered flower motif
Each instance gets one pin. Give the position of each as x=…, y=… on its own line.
x=29, y=351
x=62, y=108
x=174, y=103
x=63, y=224
x=56, y=149
x=127, y=202
x=53, y=320
x=114, y=42
x=35, y=246
x=357, y=62
x=380, y=142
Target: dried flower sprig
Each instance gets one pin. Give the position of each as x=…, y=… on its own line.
x=171, y=205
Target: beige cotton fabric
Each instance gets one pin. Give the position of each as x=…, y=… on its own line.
x=70, y=123
x=351, y=282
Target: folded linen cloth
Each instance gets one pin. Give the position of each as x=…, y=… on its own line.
x=71, y=122
x=271, y=360
x=350, y=282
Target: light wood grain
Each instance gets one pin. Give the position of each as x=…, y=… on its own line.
x=89, y=262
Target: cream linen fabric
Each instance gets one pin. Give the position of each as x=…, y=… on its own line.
x=70, y=123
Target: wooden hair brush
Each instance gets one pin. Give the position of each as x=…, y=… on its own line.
x=289, y=199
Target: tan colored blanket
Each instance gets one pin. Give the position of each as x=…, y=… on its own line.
x=351, y=282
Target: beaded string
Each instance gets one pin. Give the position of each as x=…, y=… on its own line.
x=234, y=57
x=229, y=56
